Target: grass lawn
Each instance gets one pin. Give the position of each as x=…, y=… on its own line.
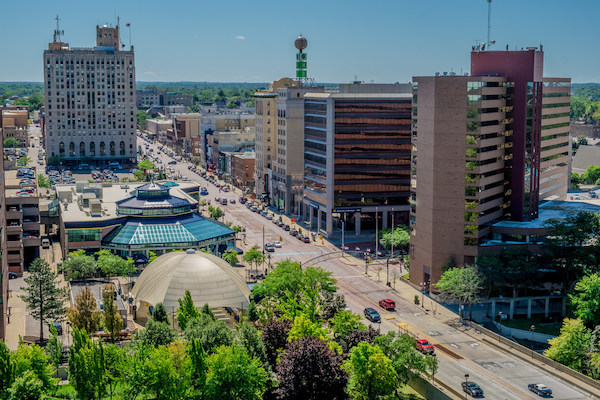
x=408, y=393
x=519, y=322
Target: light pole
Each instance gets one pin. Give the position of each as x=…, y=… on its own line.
x=500, y=324
x=532, y=333
x=392, y=233
x=376, y=231
x=343, y=230
x=466, y=384
x=387, y=274
x=422, y=294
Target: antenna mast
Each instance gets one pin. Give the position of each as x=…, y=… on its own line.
x=489, y=43
x=57, y=31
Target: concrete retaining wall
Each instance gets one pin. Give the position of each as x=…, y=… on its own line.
x=521, y=334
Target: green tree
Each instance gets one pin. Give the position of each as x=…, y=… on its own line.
x=186, y=311
x=26, y=387
x=114, y=366
x=86, y=366
x=168, y=370
x=586, y=300
x=231, y=257
x=152, y=256
x=23, y=160
x=211, y=333
x=254, y=257
x=84, y=314
x=113, y=265
x=252, y=312
x=332, y=303
x=208, y=311
x=79, y=266
x=55, y=160
x=54, y=348
x=199, y=366
x=399, y=237
x=6, y=370
x=406, y=360
x=155, y=334
x=31, y=357
x=111, y=319
x=592, y=174
x=43, y=295
x=463, y=285
x=141, y=118
x=569, y=348
x=371, y=374
x=233, y=374
x=44, y=181
x=11, y=142
x=249, y=338
x=304, y=326
x=344, y=322
x=159, y=314
x=215, y=213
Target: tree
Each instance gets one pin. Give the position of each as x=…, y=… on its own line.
x=79, y=266
x=215, y=212
x=26, y=387
x=569, y=348
x=304, y=326
x=44, y=181
x=208, y=311
x=141, y=118
x=6, y=370
x=113, y=265
x=54, y=348
x=254, y=257
x=515, y=268
x=211, y=333
x=274, y=335
x=31, y=357
x=160, y=313
x=332, y=303
x=592, y=174
x=344, y=322
x=151, y=256
x=462, y=285
x=55, y=160
x=168, y=372
x=11, y=142
x=231, y=257
x=406, y=360
x=371, y=375
x=199, y=365
x=248, y=337
x=310, y=370
x=84, y=314
x=571, y=244
x=86, y=366
x=186, y=311
x=233, y=374
x=114, y=366
x=43, y=296
x=111, y=320
x=155, y=334
x=252, y=312
x=399, y=237
x=361, y=335
x=23, y=160
x=586, y=300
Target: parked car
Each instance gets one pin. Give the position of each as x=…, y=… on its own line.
x=172, y=162
x=472, y=388
x=243, y=200
x=388, y=304
x=45, y=243
x=294, y=232
x=269, y=216
x=232, y=201
x=372, y=315
x=286, y=227
x=306, y=239
x=225, y=189
x=269, y=247
x=277, y=244
x=425, y=347
x=12, y=275
x=540, y=389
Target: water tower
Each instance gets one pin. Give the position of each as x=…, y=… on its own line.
x=301, y=44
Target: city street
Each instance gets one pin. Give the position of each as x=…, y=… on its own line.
x=501, y=375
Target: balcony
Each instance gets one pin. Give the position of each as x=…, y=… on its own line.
x=13, y=229
x=13, y=245
x=31, y=226
x=32, y=241
x=14, y=258
x=11, y=214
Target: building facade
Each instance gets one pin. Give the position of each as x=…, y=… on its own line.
x=89, y=101
x=356, y=161
x=486, y=148
x=3, y=250
x=242, y=169
x=15, y=124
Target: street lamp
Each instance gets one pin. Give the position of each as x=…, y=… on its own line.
x=466, y=384
x=532, y=328
x=422, y=294
x=499, y=324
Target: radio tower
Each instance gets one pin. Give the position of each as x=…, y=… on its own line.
x=57, y=31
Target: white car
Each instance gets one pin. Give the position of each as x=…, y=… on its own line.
x=277, y=244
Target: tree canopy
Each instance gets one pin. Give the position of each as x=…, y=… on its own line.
x=585, y=300
x=569, y=348
x=463, y=285
x=79, y=266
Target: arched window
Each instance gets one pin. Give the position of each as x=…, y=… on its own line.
x=102, y=149
x=112, y=148
x=92, y=149
x=61, y=148
x=72, y=149
x=82, y=149
x=122, y=148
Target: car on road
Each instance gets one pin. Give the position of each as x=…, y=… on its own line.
x=225, y=189
x=286, y=227
x=232, y=201
x=372, y=315
x=269, y=216
x=243, y=200
x=269, y=247
x=277, y=244
x=12, y=275
x=425, y=347
x=306, y=239
x=294, y=232
x=472, y=388
x=388, y=304
x=204, y=191
x=223, y=201
x=540, y=389
x=172, y=162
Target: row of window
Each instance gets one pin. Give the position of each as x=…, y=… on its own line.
x=92, y=149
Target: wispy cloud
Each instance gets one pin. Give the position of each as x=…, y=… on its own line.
x=240, y=37
x=150, y=73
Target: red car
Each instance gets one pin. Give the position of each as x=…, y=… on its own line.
x=388, y=304
x=425, y=347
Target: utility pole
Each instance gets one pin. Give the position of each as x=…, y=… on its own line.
x=376, y=232
x=392, y=234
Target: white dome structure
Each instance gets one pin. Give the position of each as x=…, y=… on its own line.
x=209, y=279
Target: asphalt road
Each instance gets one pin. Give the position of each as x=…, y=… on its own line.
x=502, y=376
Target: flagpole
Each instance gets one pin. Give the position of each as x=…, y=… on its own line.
x=129, y=26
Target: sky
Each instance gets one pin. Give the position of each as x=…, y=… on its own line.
x=252, y=40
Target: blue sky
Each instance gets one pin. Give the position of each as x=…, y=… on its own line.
x=252, y=40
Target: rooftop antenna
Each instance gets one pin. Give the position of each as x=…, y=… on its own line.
x=57, y=31
x=489, y=33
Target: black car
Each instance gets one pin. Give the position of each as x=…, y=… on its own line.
x=472, y=388
x=540, y=389
x=12, y=275
x=372, y=315
x=286, y=227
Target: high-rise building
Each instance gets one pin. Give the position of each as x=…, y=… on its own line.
x=357, y=149
x=485, y=148
x=3, y=251
x=90, y=95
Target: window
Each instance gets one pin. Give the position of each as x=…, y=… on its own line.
x=72, y=149
x=83, y=235
x=82, y=149
x=112, y=148
x=92, y=149
x=102, y=149
x=61, y=148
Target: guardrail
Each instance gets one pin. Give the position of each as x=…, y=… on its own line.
x=321, y=258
